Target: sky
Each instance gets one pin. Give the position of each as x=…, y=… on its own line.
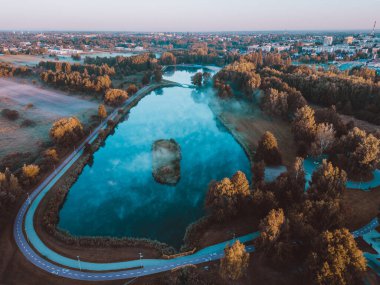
x=188, y=16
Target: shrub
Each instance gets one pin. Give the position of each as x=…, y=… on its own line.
x=67, y=131
x=27, y=123
x=115, y=97
x=267, y=150
x=10, y=114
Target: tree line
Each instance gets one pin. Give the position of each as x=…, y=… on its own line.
x=88, y=69
x=126, y=65
x=8, y=70
x=300, y=232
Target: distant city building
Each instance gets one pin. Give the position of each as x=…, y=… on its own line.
x=348, y=40
x=253, y=48
x=65, y=51
x=266, y=48
x=327, y=41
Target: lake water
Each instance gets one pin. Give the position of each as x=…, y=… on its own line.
x=117, y=196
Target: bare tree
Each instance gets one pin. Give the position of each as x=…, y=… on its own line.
x=324, y=138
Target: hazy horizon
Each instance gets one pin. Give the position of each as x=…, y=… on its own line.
x=189, y=16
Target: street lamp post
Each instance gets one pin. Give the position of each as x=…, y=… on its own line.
x=80, y=267
x=141, y=256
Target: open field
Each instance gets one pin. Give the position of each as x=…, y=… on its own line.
x=364, y=125
x=248, y=123
x=23, y=59
x=42, y=107
x=362, y=206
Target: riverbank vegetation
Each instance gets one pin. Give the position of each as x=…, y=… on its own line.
x=284, y=97
x=297, y=228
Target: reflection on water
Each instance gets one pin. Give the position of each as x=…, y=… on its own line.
x=182, y=74
x=118, y=196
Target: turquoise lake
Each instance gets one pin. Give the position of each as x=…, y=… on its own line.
x=118, y=196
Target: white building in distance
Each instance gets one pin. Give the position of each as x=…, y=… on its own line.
x=327, y=41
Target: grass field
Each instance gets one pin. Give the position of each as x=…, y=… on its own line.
x=42, y=107
x=248, y=123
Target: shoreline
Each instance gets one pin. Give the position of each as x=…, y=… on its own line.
x=55, y=235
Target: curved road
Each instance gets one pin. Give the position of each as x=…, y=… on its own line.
x=43, y=257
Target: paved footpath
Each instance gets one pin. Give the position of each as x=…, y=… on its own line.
x=43, y=257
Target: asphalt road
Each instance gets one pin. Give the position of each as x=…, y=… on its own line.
x=41, y=256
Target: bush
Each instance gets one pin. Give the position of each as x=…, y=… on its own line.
x=27, y=123
x=10, y=114
x=267, y=150
x=115, y=97
x=67, y=131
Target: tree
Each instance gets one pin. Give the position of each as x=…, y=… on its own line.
x=132, y=89
x=225, y=198
x=157, y=75
x=30, y=172
x=240, y=183
x=336, y=259
x=102, y=112
x=328, y=182
x=263, y=202
x=9, y=182
x=322, y=215
x=304, y=126
x=258, y=172
x=324, y=138
x=146, y=78
x=67, y=131
x=167, y=58
x=206, y=78
x=270, y=229
x=235, y=262
x=196, y=79
x=267, y=150
x=275, y=102
x=51, y=156
x=289, y=187
x=115, y=97
x=9, y=188
x=360, y=151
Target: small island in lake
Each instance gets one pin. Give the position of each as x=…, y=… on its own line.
x=166, y=161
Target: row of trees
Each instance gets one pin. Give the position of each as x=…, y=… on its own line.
x=87, y=69
x=197, y=55
x=357, y=94
x=126, y=65
x=7, y=70
x=76, y=81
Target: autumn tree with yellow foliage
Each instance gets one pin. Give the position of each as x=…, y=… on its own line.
x=235, y=262
x=67, y=131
